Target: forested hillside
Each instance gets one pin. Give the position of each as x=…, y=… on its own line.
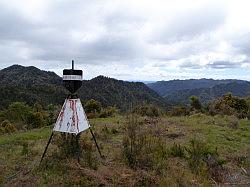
x=179, y=91
x=29, y=84
x=206, y=95
x=27, y=76
x=123, y=94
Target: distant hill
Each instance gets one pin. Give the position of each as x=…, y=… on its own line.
x=179, y=91
x=30, y=84
x=165, y=88
x=27, y=76
x=123, y=94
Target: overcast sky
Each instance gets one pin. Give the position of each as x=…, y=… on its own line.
x=130, y=40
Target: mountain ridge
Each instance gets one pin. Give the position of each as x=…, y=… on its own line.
x=179, y=91
x=30, y=84
x=20, y=73
x=165, y=87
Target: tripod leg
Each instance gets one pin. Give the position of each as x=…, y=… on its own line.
x=78, y=147
x=95, y=142
x=47, y=146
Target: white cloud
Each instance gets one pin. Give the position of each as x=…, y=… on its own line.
x=127, y=39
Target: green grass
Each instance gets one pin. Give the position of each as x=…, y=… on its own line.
x=112, y=120
x=21, y=152
x=33, y=135
x=45, y=132
x=215, y=131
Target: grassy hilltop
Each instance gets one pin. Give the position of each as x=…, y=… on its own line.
x=146, y=139
x=168, y=151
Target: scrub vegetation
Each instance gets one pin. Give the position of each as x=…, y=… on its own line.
x=190, y=150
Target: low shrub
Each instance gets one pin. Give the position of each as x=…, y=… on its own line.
x=147, y=110
x=67, y=144
x=177, y=151
x=195, y=103
x=92, y=106
x=87, y=154
x=92, y=115
x=233, y=122
x=114, y=131
x=179, y=111
x=24, y=117
x=229, y=105
x=108, y=112
x=72, y=146
x=131, y=143
x=7, y=127
x=197, y=153
x=25, y=148
x=142, y=148
x=35, y=120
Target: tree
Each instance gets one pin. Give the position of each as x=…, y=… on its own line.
x=93, y=106
x=195, y=102
x=17, y=112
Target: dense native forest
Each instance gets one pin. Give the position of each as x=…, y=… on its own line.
x=31, y=85
x=179, y=91
x=168, y=133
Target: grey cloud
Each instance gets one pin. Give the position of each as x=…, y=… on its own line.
x=112, y=48
x=116, y=36
x=241, y=42
x=187, y=25
x=123, y=20
x=162, y=62
x=13, y=26
x=212, y=65
x=18, y=33
x=190, y=65
x=223, y=64
x=106, y=49
x=51, y=40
